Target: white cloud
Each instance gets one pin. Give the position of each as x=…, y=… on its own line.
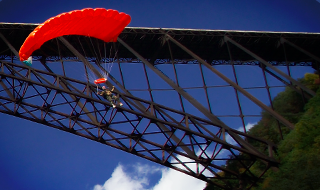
x=170, y=179
x=121, y=180
x=139, y=179
x=250, y=125
x=145, y=169
x=230, y=140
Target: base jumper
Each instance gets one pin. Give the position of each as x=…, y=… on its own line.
x=110, y=96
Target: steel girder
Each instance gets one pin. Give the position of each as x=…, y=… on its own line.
x=73, y=106
x=264, y=43
x=70, y=105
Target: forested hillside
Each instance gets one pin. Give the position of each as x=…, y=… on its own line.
x=299, y=149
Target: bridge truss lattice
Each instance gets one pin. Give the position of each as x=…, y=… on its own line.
x=51, y=94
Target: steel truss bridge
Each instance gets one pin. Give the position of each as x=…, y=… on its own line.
x=195, y=145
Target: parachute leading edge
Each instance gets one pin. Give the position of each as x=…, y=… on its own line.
x=99, y=23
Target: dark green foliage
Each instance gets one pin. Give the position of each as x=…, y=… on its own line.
x=299, y=150
x=299, y=153
x=290, y=105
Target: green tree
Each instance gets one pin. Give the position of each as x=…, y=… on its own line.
x=299, y=151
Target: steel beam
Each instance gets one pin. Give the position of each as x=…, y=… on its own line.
x=10, y=46
x=136, y=104
x=227, y=39
x=283, y=40
x=244, y=92
x=202, y=137
x=15, y=53
x=194, y=102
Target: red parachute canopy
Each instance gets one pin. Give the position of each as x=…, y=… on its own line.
x=99, y=23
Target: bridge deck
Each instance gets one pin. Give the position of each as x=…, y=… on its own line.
x=208, y=44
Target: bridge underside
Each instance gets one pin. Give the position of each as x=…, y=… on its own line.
x=48, y=94
x=279, y=48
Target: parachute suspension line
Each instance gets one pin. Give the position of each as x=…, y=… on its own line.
x=99, y=51
x=59, y=49
x=85, y=67
x=60, y=57
x=94, y=49
x=108, y=69
x=110, y=66
x=105, y=58
x=84, y=52
x=96, y=81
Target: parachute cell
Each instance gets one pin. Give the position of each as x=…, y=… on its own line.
x=99, y=23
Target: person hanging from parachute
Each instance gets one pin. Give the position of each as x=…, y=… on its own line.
x=109, y=95
x=86, y=22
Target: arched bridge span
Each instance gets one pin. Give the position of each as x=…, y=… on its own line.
x=195, y=144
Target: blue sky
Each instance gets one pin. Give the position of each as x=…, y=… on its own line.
x=37, y=157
